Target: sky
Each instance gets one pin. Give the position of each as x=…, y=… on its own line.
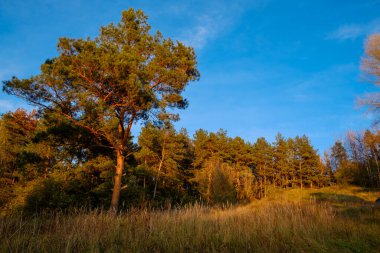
x=267, y=66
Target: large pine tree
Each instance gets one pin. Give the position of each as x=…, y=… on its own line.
x=104, y=85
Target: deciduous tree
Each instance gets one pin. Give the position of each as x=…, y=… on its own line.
x=371, y=66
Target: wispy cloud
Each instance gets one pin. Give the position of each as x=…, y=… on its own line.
x=320, y=87
x=346, y=32
x=206, y=29
x=212, y=21
x=200, y=22
x=354, y=31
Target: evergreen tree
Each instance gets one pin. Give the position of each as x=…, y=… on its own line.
x=340, y=163
x=164, y=152
x=104, y=85
x=280, y=156
x=263, y=163
x=17, y=151
x=309, y=162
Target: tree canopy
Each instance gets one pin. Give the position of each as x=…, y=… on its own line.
x=106, y=84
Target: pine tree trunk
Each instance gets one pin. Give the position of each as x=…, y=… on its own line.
x=301, y=176
x=209, y=185
x=265, y=186
x=117, y=181
x=368, y=171
x=209, y=188
x=124, y=133
x=144, y=185
x=157, y=178
x=159, y=169
x=281, y=181
x=47, y=163
x=293, y=179
x=378, y=170
x=238, y=190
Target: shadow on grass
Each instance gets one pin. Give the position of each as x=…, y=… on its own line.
x=351, y=206
x=342, y=199
x=360, y=190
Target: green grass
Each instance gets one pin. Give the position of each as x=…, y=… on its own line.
x=339, y=219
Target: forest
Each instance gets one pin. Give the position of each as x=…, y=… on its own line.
x=75, y=150
x=50, y=164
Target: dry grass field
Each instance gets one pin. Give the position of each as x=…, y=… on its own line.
x=334, y=219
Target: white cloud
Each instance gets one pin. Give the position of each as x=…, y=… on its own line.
x=354, y=31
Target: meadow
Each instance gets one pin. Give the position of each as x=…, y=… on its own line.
x=332, y=219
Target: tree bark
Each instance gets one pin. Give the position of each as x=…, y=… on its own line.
x=265, y=186
x=286, y=181
x=301, y=175
x=117, y=181
x=159, y=167
x=157, y=178
x=124, y=134
x=377, y=166
x=209, y=184
x=293, y=178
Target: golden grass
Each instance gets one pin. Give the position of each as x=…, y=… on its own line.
x=284, y=223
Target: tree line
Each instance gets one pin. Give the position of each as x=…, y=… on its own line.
x=355, y=159
x=55, y=164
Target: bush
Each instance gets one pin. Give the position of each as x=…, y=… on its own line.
x=6, y=192
x=63, y=191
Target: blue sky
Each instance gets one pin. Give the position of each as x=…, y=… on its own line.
x=266, y=66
